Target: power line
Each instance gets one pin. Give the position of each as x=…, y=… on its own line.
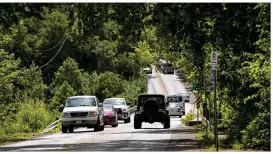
x=51, y=58
x=54, y=45
x=54, y=55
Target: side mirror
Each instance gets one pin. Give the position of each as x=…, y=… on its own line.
x=167, y=103
x=100, y=105
x=128, y=103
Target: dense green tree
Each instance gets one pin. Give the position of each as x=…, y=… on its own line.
x=63, y=92
x=70, y=73
x=9, y=78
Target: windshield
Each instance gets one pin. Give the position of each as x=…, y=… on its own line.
x=114, y=101
x=143, y=99
x=174, y=99
x=174, y=105
x=74, y=102
x=108, y=108
x=183, y=94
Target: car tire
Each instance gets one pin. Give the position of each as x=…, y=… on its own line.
x=71, y=129
x=102, y=128
x=115, y=125
x=125, y=121
x=137, y=123
x=64, y=129
x=167, y=123
x=129, y=120
x=97, y=126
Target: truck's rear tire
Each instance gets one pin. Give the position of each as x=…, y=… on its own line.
x=129, y=119
x=137, y=123
x=167, y=123
x=64, y=129
x=71, y=129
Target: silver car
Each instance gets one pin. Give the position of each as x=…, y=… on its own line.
x=122, y=107
x=175, y=109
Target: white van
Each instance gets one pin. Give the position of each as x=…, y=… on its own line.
x=185, y=97
x=179, y=100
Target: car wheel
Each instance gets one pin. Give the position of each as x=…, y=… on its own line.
x=115, y=125
x=129, y=119
x=64, y=129
x=102, y=128
x=97, y=126
x=167, y=123
x=137, y=123
x=71, y=129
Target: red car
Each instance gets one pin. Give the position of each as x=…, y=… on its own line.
x=110, y=116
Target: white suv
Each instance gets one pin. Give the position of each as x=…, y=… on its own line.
x=82, y=111
x=122, y=107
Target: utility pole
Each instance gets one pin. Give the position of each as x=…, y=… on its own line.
x=198, y=109
x=215, y=114
x=213, y=81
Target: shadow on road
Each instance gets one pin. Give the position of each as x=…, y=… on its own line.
x=117, y=145
x=160, y=131
x=151, y=77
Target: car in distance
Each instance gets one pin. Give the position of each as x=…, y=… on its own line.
x=185, y=96
x=178, y=100
x=110, y=115
x=174, y=110
x=82, y=111
x=148, y=70
x=166, y=67
x=120, y=104
x=151, y=108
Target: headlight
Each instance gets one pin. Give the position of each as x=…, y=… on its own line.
x=66, y=115
x=123, y=109
x=92, y=114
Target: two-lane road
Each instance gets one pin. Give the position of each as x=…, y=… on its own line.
x=152, y=137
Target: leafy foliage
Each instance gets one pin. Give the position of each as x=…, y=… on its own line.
x=108, y=44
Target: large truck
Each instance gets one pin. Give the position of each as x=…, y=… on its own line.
x=166, y=67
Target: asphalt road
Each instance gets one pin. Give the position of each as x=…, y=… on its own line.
x=152, y=137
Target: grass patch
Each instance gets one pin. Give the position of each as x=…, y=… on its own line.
x=224, y=144
x=208, y=141
x=16, y=137
x=187, y=118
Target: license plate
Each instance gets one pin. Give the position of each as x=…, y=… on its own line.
x=78, y=122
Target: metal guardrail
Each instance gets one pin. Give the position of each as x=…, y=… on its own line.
x=55, y=123
x=51, y=126
x=207, y=122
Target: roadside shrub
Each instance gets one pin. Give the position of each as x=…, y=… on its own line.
x=187, y=118
x=32, y=117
